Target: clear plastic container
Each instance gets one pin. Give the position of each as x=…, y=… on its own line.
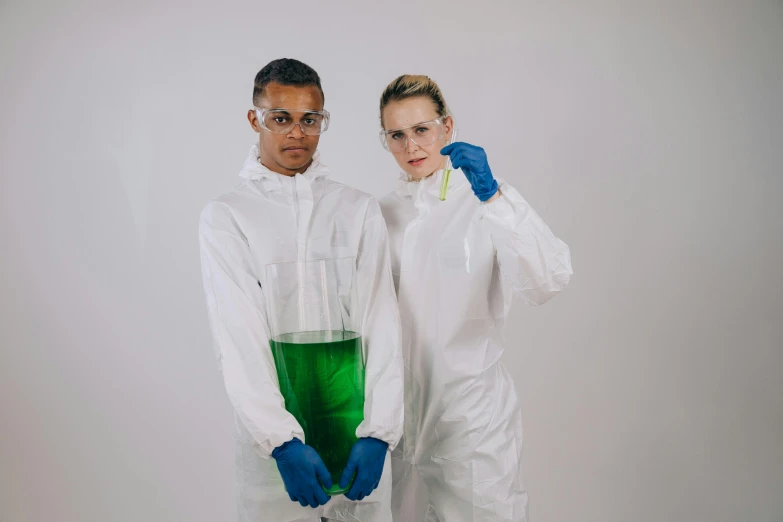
x=317, y=347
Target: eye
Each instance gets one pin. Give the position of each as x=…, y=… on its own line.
x=280, y=119
x=422, y=130
x=309, y=121
x=397, y=136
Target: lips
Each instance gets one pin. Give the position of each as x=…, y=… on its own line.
x=294, y=149
x=417, y=162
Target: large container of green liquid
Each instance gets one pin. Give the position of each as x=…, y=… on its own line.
x=316, y=343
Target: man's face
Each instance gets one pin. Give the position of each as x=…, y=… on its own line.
x=290, y=153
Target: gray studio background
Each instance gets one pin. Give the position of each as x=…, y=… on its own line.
x=648, y=134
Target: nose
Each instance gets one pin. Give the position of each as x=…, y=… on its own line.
x=411, y=146
x=296, y=132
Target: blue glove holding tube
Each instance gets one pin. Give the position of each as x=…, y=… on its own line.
x=472, y=160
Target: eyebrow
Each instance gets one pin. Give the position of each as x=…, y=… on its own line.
x=390, y=131
x=286, y=111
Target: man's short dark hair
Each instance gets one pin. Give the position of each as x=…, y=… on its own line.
x=285, y=71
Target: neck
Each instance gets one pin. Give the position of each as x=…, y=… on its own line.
x=279, y=169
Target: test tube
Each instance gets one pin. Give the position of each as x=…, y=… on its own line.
x=444, y=185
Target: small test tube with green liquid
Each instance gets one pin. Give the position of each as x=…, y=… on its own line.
x=444, y=185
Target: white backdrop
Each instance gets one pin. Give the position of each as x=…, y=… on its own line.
x=648, y=134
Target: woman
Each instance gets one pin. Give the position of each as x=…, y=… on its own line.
x=456, y=265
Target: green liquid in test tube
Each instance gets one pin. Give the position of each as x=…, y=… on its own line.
x=444, y=185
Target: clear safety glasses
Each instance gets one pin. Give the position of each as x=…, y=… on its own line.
x=422, y=134
x=282, y=121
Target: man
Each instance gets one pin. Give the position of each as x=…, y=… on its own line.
x=286, y=209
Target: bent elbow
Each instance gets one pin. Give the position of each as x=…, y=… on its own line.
x=546, y=290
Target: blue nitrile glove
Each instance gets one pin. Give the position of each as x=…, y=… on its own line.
x=366, y=460
x=301, y=469
x=472, y=161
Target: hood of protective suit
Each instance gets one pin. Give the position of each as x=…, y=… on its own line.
x=407, y=187
x=253, y=169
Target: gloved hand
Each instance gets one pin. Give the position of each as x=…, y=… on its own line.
x=301, y=469
x=366, y=460
x=473, y=162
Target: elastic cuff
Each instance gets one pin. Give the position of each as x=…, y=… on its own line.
x=483, y=196
x=280, y=449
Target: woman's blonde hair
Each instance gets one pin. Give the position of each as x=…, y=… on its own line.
x=411, y=86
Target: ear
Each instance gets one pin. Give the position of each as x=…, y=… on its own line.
x=448, y=124
x=253, y=119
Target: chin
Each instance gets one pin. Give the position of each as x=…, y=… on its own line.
x=296, y=165
x=421, y=172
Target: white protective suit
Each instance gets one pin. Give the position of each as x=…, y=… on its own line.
x=271, y=218
x=456, y=264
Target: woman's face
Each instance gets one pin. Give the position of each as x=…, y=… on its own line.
x=416, y=159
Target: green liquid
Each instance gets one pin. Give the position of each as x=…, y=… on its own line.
x=321, y=378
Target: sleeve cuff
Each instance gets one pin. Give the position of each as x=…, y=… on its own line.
x=265, y=449
x=390, y=438
x=508, y=210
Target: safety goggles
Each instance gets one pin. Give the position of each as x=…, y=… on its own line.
x=282, y=121
x=422, y=134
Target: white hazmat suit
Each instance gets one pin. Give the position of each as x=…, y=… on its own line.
x=271, y=218
x=456, y=264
